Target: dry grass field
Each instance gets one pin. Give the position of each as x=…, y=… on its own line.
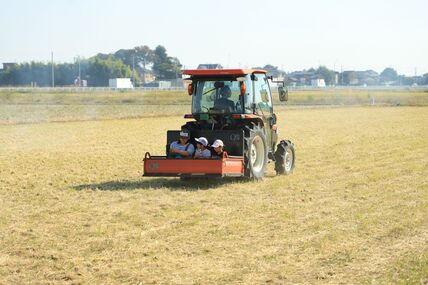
x=59, y=106
x=76, y=209
x=35, y=107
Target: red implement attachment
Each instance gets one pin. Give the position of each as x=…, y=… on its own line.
x=220, y=167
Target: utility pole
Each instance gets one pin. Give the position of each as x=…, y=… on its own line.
x=133, y=62
x=53, y=72
x=415, y=80
x=80, y=78
x=133, y=67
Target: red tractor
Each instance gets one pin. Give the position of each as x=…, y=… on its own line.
x=235, y=106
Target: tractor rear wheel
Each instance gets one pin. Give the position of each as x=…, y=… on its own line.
x=284, y=158
x=255, y=152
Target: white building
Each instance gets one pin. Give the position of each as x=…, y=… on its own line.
x=318, y=82
x=120, y=83
x=274, y=83
x=164, y=84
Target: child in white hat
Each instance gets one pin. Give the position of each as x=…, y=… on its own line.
x=201, y=148
x=218, y=148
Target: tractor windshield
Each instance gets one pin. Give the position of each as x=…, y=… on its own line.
x=219, y=96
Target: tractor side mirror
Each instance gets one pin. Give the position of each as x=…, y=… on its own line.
x=283, y=93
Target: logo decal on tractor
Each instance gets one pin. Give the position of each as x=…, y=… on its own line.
x=234, y=137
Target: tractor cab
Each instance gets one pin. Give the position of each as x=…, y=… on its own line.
x=220, y=95
x=229, y=91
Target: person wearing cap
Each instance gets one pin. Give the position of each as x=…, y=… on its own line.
x=181, y=148
x=217, y=149
x=201, y=148
x=224, y=102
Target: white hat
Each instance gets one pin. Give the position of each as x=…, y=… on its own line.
x=184, y=134
x=217, y=143
x=202, y=141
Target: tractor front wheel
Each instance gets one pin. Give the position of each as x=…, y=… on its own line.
x=284, y=158
x=255, y=153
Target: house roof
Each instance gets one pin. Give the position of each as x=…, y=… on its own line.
x=210, y=66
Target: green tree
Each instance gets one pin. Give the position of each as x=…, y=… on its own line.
x=40, y=74
x=101, y=70
x=349, y=77
x=139, y=56
x=27, y=73
x=144, y=56
x=97, y=70
x=388, y=74
x=138, y=59
x=272, y=70
x=327, y=74
x=165, y=67
x=65, y=74
x=127, y=56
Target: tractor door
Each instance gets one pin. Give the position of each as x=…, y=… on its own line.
x=263, y=102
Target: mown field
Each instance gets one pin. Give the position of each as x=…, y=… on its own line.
x=76, y=209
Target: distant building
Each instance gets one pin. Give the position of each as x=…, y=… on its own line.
x=275, y=80
x=363, y=78
x=210, y=66
x=368, y=77
x=336, y=78
x=350, y=77
x=8, y=65
x=318, y=82
x=148, y=77
x=301, y=77
x=120, y=83
x=163, y=84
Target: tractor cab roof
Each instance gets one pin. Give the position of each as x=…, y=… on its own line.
x=221, y=72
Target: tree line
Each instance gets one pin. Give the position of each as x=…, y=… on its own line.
x=140, y=61
x=133, y=63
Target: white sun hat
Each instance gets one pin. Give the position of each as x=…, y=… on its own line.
x=202, y=141
x=184, y=134
x=217, y=143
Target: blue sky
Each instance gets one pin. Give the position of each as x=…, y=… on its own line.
x=293, y=35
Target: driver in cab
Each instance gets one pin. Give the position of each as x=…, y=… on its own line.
x=224, y=103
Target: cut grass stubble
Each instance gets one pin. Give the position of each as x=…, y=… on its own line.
x=76, y=209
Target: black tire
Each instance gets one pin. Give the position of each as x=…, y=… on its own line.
x=256, y=154
x=285, y=157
